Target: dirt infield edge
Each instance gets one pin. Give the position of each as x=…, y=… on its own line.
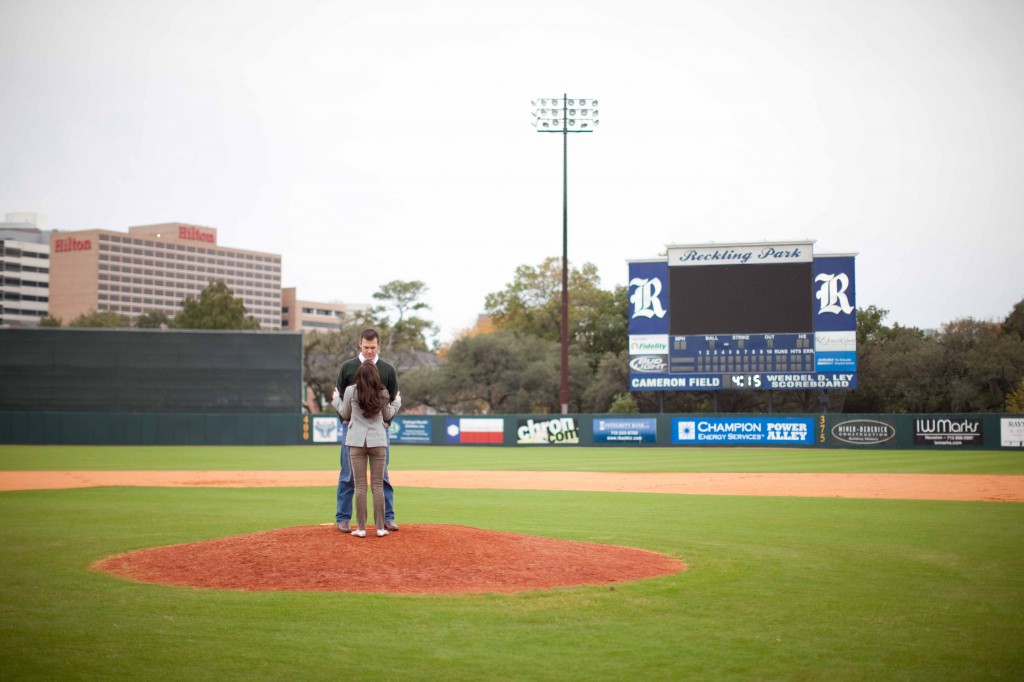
x=990, y=488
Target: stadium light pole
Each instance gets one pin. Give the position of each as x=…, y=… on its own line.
x=564, y=115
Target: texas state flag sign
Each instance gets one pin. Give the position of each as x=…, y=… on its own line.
x=469, y=430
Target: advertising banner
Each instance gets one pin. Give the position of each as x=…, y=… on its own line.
x=474, y=431
x=1011, y=432
x=865, y=432
x=636, y=430
x=648, y=344
x=946, y=432
x=327, y=430
x=835, y=351
x=557, y=431
x=410, y=430
x=743, y=431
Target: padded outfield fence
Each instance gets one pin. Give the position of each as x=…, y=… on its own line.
x=150, y=387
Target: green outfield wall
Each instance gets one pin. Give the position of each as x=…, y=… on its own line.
x=150, y=387
x=874, y=431
x=946, y=431
x=104, y=428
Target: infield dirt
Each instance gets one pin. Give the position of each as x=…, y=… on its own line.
x=962, y=487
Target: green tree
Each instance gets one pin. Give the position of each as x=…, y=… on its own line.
x=1015, y=401
x=624, y=403
x=1014, y=322
x=153, y=319
x=216, y=308
x=104, y=319
x=400, y=329
x=602, y=321
x=970, y=366
x=501, y=372
x=50, y=321
x=323, y=353
x=911, y=367
x=891, y=364
x=870, y=325
x=532, y=304
x=607, y=383
x=982, y=365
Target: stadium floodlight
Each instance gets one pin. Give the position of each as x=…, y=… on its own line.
x=565, y=115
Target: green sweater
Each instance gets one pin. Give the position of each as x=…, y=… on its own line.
x=388, y=376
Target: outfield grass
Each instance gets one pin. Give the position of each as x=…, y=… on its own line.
x=309, y=457
x=777, y=588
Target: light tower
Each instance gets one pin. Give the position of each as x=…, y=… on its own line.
x=564, y=115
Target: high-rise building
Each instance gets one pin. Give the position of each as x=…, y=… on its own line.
x=24, y=270
x=155, y=267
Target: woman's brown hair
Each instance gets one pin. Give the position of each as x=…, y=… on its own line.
x=370, y=392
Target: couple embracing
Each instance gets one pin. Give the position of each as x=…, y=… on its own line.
x=367, y=398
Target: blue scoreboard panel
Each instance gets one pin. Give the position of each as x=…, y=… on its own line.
x=728, y=354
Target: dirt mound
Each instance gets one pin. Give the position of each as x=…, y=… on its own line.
x=418, y=559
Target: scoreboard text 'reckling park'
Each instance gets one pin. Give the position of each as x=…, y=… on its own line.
x=768, y=316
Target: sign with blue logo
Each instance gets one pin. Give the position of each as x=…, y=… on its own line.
x=835, y=294
x=743, y=431
x=648, y=298
x=410, y=430
x=625, y=430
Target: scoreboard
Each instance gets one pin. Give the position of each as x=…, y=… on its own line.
x=742, y=316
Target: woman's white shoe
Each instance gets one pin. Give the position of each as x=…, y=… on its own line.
x=381, y=532
x=359, y=533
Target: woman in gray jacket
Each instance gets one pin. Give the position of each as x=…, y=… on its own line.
x=365, y=406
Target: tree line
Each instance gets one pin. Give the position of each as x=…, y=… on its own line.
x=514, y=367
x=511, y=363
x=215, y=308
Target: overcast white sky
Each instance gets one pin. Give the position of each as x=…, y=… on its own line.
x=367, y=142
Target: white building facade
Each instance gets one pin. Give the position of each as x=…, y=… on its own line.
x=24, y=270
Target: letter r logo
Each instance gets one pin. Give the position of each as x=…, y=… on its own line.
x=832, y=294
x=645, y=298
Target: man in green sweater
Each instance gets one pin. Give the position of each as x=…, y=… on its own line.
x=369, y=347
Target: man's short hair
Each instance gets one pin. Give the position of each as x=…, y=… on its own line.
x=369, y=335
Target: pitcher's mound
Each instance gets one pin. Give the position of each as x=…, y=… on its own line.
x=418, y=559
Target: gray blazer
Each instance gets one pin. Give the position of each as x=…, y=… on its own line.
x=363, y=432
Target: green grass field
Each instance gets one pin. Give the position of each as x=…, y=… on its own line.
x=312, y=458
x=777, y=588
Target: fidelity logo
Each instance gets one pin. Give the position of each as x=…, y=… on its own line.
x=648, y=344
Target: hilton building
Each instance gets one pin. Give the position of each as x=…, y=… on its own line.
x=155, y=267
